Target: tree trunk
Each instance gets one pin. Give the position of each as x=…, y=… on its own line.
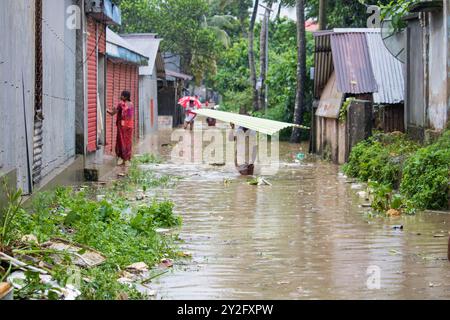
x=322, y=14
x=263, y=60
x=301, y=70
x=251, y=56
x=279, y=12
x=243, y=15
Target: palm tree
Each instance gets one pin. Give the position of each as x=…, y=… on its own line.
x=301, y=70
x=218, y=24
x=322, y=14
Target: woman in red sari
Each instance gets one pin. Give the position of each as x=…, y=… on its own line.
x=125, y=125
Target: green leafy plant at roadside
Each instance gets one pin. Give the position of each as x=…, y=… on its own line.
x=102, y=225
x=380, y=158
x=144, y=179
x=384, y=198
x=11, y=209
x=381, y=194
x=156, y=215
x=427, y=175
x=147, y=159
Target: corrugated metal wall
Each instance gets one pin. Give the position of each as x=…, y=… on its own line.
x=59, y=64
x=92, y=84
x=96, y=42
x=17, y=57
x=352, y=63
x=119, y=77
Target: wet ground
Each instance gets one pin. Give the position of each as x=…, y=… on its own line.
x=304, y=237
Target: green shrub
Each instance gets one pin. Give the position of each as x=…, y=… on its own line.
x=380, y=158
x=426, y=175
x=154, y=216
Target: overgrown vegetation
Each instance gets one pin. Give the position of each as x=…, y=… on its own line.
x=426, y=175
x=123, y=230
x=380, y=158
x=391, y=162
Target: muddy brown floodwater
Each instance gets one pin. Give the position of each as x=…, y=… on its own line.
x=304, y=237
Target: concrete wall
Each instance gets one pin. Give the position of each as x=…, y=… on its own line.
x=428, y=82
x=438, y=76
x=148, y=92
x=59, y=86
x=447, y=23
x=16, y=58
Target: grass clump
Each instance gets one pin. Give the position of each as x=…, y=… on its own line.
x=147, y=159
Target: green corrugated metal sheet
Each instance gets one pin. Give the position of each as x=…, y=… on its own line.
x=265, y=126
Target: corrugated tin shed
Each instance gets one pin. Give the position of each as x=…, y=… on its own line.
x=362, y=64
x=351, y=60
x=323, y=61
x=119, y=48
x=148, y=44
x=330, y=100
x=388, y=72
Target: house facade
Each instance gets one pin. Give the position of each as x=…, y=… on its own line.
x=51, y=70
x=354, y=63
x=428, y=69
x=149, y=76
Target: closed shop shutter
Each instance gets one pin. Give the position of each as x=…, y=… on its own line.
x=121, y=76
x=92, y=85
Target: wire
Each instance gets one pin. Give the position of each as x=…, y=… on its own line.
x=17, y=87
x=58, y=36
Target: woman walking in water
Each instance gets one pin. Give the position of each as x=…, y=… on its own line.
x=125, y=125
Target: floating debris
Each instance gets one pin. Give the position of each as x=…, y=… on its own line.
x=166, y=263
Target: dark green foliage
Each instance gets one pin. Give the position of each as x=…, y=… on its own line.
x=380, y=159
x=422, y=174
x=156, y=215
x=427, y=174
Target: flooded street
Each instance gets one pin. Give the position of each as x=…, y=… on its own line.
x=304, y=237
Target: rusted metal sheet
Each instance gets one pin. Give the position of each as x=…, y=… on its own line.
x=330, y=100
x=352, y=63
x=393, y=118
x=387, y=70
x=323, y=61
